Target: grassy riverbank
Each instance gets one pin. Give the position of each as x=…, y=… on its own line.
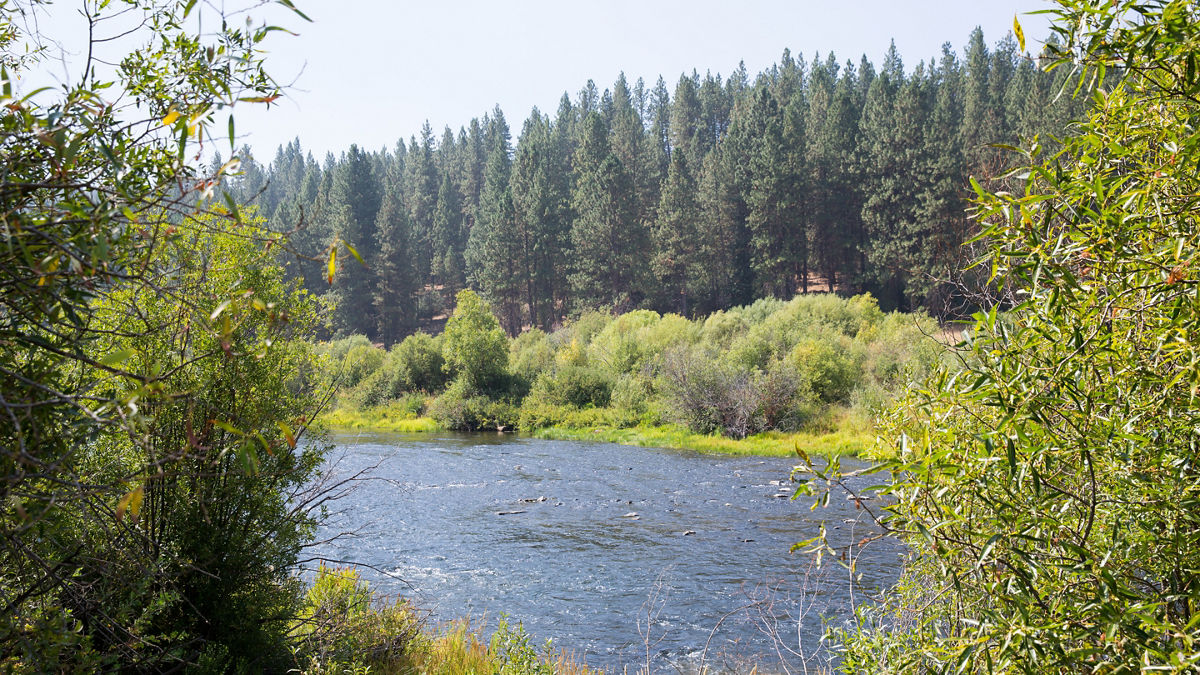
x=772, y=443
x=390, y=417
x=849, y=438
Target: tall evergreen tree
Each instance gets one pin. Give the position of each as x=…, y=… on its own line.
x=685, y=120
x=493, y=256
x=449, y=267
x=420, y=195
x=777, y=238
x=609, y=243
x=540, y=195
x=675, y=238
x=395, y=279
x=353, y=207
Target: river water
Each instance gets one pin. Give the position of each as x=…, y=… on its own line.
x=626, y=556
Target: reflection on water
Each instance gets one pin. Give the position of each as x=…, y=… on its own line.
x=612, y=551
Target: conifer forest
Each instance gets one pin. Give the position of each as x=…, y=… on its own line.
x=689, y=197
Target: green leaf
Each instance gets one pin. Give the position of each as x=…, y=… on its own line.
x=287, y=433
x=112, y=359
x=354, y=253
x=228, y=427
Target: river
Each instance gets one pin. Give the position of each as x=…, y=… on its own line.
x=623, y=555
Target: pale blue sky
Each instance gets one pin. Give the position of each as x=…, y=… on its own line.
x=372, y=71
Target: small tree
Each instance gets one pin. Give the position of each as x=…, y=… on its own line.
x=146, y=467
x=474, y=345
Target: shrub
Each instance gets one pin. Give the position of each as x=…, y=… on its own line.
x=1048, y=491
x=342, y=628
x=473, y=345
x=827, y=367
x=530, y=354
x=416, y=364
x=586, y=327
x=720, y=329
x=337, y=349
x=785, y=400
x=463, y=408
x=632, y=394
x=359, y=363
x=636, y=340
x=578, y=386
x=706, y=395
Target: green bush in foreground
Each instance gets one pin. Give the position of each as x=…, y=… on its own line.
x=1050, y=492
x=344, y=628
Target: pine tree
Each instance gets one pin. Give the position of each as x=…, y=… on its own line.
x=449, y=268
x=395, y=288
x=420, y=195
x=493, y=255
x=777, y=239
x=609, y=244
x=353, y=208
x=685, y=120
x=675, y=238
x=540, y=195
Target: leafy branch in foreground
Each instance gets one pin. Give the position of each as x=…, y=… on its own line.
x=149, y=474
x=1049, y=488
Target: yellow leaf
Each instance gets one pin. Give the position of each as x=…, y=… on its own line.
x=170, y=118
x=1019, y=33
x=332, y=261
x=287, y=434
x=131, y=503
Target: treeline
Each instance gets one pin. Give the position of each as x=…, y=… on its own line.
x=810, y=176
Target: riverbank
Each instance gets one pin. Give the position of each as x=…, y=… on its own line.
x=771, y=444
x=849, y=439
x=393, y=418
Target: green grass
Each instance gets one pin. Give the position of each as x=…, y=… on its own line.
x=391, y=417
x=847, y=441
x=840, y=435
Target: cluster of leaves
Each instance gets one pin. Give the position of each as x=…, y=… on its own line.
x=152, y=495
x=772, y=365
x=1050, y=489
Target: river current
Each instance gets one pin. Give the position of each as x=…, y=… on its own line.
x=625, y=556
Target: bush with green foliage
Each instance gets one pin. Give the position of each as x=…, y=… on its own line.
x=338, y=349
x=474, y=346
x=530, y=354
x=147, y=479
x=1049, y=490
x=343, y=627
x=464, y=408
x=360, y=363
x=772, y=366
x=578, y=386
x=416, y=364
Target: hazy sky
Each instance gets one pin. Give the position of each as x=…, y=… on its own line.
x=372, y=71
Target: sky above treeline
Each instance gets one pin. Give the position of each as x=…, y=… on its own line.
x=373, y=71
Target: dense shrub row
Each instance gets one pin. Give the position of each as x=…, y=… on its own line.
x=773, y=365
